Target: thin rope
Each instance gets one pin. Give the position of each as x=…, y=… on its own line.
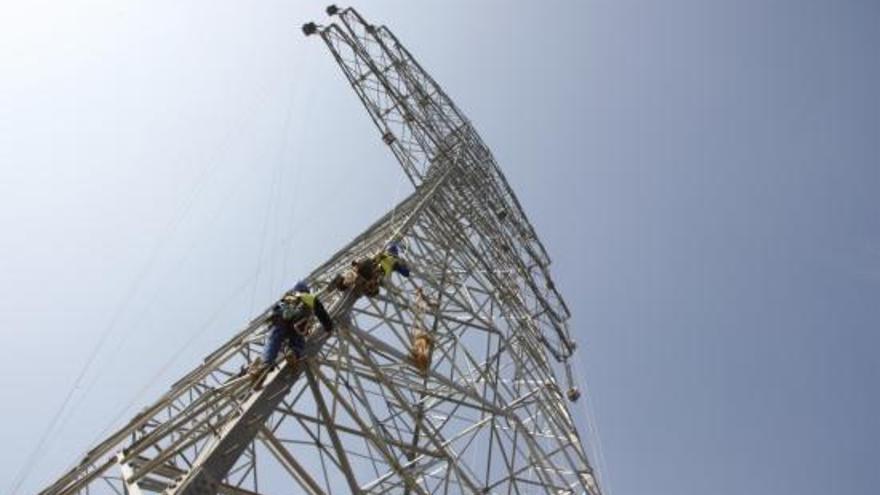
x=401, y=179
x=265, y=233
x=282, y=168
x=292, y=223
x=168, y=231
x=593, y=428
x=200, y=330
x=271, y=204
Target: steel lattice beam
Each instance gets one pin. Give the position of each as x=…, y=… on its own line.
x=488, y=416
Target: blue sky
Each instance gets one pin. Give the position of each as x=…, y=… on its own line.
x=705, y=175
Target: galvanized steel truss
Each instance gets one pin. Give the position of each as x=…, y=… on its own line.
x=488, y=416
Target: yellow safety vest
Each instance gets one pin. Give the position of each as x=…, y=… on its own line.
x=304, y=297
x=308, y=299
x=386, y=261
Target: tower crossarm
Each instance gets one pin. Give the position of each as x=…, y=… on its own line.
x=421, y=125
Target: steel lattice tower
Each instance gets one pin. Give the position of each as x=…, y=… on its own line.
x=489, y=416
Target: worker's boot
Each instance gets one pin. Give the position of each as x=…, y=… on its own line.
x=255, y=367
x=338, y=283
x=292, y=359
x=258, y=372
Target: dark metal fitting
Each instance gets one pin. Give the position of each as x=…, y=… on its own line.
x=310, y=28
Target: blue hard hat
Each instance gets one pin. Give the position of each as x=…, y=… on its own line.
x=301, y=287
x=393, y=249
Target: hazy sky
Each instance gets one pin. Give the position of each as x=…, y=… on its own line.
x=705, y=175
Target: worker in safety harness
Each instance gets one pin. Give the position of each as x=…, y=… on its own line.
x=290, y=320
x=367, y=275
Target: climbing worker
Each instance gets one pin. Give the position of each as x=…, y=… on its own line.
x=366, y=275
x=389, y=260
x=290, y=321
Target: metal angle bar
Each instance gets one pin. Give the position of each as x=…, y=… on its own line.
x=433, y=436
x=377, y=440
x=423, y=197
x=130, y=488
x=357, y=432
x=184, y=416
x=183, y=442
x=377, y=426
x=366, y=55
x=504, y=259
x=378, y=345
x=277, y=449
x=565, y=432
x=332, y=37
x=216, y=460
x=488, y=271
x=80, y=476
x=331, y=430
x=321, y=446
x=96, y=472
x=350, y=18
x=535, y=449
x=401, y=61
x=171, y=472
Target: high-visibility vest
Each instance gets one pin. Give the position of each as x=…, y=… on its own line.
x=387, y=262
x=307, y=298
x=290, y=302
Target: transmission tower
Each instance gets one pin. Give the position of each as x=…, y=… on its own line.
x=490, y=413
